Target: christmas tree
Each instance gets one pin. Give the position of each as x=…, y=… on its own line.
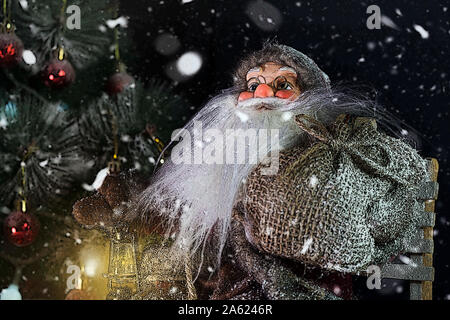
x=67, y=108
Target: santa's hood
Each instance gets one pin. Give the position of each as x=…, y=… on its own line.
x=310, y=76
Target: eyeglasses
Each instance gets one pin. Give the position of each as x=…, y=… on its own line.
x=279, y=83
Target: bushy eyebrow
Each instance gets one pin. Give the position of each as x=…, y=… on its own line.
x=255, y=69
x=288, y=69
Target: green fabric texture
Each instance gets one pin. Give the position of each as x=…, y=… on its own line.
x=345, y=202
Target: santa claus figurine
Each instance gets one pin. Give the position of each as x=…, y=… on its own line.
x=282, y=187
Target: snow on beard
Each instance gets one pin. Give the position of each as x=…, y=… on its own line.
x=195, y=190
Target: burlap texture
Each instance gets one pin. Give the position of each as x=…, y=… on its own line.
x=343, y=203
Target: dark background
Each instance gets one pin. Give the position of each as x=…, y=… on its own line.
x=409, y=74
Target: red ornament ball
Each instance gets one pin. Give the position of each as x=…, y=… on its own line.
x=21, y=229
x=58, y=74
x=11, y=50
x=118, y=82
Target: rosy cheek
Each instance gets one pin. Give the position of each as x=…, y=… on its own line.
x=284, y=94
x=245, y=95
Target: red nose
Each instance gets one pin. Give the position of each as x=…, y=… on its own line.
x=263, y=91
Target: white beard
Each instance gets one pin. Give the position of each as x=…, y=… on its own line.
x=196, y=200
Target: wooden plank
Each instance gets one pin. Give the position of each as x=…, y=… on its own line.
x=416, y=259
x=407, y=272
x=420, y=246
x=427, y=290
x=415, y=290
x=427, y=219
x=428, y=190
x=427, y=286
x=433, y=168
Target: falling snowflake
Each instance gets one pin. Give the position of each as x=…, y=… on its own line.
x=423, y=33
x=43, y=163
x=24, y=4
x=313, y=181
x=3, y=123
x=293, y=222
x=120, y=21
x=269, y=231
x=407, y=260
x=29, y=57
x=388, y=22
x=306, y=246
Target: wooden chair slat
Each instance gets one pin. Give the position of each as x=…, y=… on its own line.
x=420, y=246
x=419, y=272
x=407, y=272
x=427, y=219
x=428, y=191
x=415, y=290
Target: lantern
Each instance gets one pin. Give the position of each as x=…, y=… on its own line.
x=122, y=271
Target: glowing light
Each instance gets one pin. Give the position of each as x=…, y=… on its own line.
x=189, y=63
x=51, y=77
x=61, y=54
x=61, y=73
x=167, y=44
x=10, y=50
x=29, y=57
x=13, y=230
x=90, y=267
x=7, y=51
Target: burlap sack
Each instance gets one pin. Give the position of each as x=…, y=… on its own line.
x=345, y=202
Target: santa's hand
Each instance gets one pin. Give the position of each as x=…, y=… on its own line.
x=110, y=205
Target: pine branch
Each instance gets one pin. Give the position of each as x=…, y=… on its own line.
x=133, y=112
x=21, y=85
x=43, y=24
x=39, y=135
x=23, y=262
